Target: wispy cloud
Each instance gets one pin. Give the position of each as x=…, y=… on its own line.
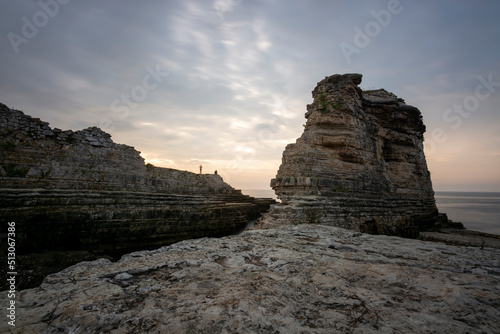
x=241, y=72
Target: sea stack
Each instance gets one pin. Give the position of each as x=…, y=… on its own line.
x=359, y=164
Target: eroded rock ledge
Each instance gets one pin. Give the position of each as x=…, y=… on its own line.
x=80, y=191
x=292, y=279
x=359, y=164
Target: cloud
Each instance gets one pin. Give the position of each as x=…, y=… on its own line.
x=240, y=73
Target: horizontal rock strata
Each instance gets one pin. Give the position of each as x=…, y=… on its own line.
x=359, y=164
x=292, y=279
x=80, y=191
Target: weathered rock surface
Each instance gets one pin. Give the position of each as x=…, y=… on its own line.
x=81, y=191
x=462, y=237
x=292, y=279
x=359, y=164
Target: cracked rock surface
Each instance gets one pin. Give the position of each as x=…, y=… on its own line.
x=291, y=279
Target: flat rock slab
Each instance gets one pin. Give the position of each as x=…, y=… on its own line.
x=462, y=237
x=292, y=279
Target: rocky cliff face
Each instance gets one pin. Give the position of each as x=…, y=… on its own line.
x=81, y=191
x=359, y=163
x=35, y=156
x=292, y=279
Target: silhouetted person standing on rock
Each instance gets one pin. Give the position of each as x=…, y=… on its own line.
x=201, y=168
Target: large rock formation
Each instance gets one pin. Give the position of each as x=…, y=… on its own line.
x=359, y=164
x=292, y=279
x=81, y=191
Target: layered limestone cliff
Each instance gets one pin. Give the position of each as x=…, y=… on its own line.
x=359, y=164
x=81, y=191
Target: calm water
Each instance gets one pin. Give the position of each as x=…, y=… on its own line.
x=260, y=193
x=479, y=211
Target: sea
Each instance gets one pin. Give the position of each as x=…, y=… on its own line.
x=478, y=211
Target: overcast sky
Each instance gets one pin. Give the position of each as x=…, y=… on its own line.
x=225, y=83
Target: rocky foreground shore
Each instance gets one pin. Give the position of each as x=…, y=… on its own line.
x=291, y=279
